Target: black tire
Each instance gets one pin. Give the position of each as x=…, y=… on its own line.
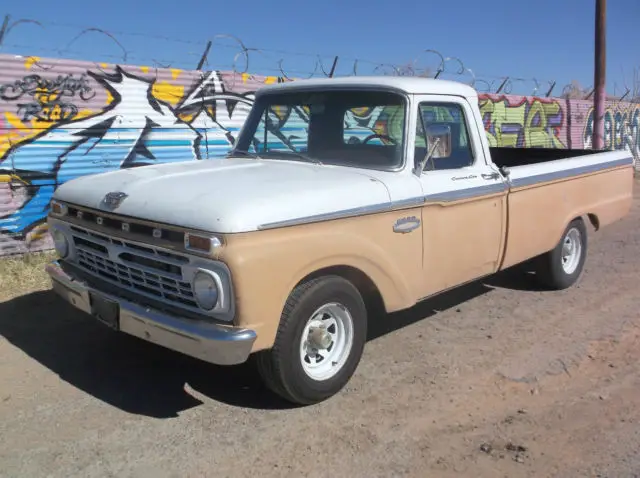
x=281, y=366
x=549, y=266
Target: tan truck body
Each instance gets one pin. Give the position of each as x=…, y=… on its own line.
x=401, y=251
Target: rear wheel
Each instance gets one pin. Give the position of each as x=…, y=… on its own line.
x=319, y=342
x=561, y=267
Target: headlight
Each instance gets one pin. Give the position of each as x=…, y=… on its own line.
x=60, y=243
x=206, y=289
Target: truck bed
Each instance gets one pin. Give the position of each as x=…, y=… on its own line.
x=551, y=187
x=511, y=157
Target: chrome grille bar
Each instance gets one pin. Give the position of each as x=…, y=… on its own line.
x=150, y=272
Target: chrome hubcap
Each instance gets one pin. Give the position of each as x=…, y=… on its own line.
x=571, y=251
x=326, y=341
x=319, y=338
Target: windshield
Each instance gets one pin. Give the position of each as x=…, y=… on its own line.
x=351, y=128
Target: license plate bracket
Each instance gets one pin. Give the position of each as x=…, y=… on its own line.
x=105, y=310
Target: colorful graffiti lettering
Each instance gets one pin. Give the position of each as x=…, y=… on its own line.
x=524, y=122
x=47, y=99
x=621, y=128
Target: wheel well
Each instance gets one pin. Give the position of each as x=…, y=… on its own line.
x=593, y=219
x=367, y=288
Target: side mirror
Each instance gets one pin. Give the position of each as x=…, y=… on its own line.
x=440, y=136
x=438, y=145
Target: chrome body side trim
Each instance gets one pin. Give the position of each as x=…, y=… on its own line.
x=356, y=211
x=213, y=343
x=568, y=173
x=469, y=193
x=451, y=196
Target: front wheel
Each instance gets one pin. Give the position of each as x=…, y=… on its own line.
x=319, y=342
x=561, y=267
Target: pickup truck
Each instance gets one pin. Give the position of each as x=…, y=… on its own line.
x=339, y=198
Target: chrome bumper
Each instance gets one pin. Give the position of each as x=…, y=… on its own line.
x=218, y=344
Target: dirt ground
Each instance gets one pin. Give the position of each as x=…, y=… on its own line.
x=495, y=379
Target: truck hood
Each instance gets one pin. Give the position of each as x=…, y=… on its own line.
x=228, y=195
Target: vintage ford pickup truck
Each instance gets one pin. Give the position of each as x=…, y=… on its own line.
x=339, y=194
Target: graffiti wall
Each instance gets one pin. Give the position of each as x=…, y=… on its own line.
x=524, y=122
x=530, y=122
x=62, y=119
x=621, y=126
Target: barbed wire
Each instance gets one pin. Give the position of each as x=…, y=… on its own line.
x=253, y=60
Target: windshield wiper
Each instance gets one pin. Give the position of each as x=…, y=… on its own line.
x=241, y=152
x=299, y=155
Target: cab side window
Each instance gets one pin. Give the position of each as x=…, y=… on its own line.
x=446, y=132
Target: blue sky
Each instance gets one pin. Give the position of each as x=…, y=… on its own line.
x=545, y=39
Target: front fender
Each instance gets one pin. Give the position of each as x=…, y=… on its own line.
x=389, y=280
x=267, y=265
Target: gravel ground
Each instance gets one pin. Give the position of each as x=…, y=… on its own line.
x=494, y=379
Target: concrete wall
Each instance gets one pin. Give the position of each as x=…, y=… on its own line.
x=60, y=119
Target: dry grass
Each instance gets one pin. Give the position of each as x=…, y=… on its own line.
x=22, y=274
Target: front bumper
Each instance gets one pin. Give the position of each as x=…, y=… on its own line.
x=218, y=344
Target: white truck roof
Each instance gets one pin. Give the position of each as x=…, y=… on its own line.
x=409, y=85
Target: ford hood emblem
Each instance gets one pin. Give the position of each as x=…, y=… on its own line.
x=114, y=199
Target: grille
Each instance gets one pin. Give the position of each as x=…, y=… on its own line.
x=151, y=272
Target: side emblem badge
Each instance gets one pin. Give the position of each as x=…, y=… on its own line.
x=114, y=199
x=406, y=224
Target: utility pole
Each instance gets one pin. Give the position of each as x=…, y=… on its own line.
x=599, y=82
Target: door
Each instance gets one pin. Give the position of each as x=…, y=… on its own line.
x=464, y=215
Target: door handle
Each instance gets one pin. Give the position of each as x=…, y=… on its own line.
x=489, y=176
